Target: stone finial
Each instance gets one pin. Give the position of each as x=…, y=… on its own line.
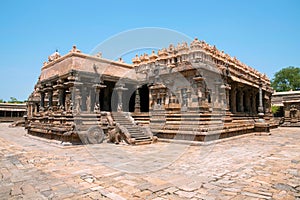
x=171, y=48
x=227, y=56
x=144, y=58
x=178, y=47
x=185, y=45
x=136, y=60
x=54, y=56
x=99, y=55
x=121, y=60
x=74, y=49
x=181, y=47
x=153, y=56
x=163, y=52
x=196, y=44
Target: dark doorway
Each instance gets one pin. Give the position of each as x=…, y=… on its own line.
x=132, y=102
x=144, y=98
x=106, y=96
x=280, y=112
x=129, y=98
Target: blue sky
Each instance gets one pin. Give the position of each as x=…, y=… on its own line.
x=263, y=34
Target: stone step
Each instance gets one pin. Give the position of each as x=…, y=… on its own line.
x=143, y=142
x=194, y=128
x=192, y=123
x=194, y=119
x=142, y=138
x=135, y=132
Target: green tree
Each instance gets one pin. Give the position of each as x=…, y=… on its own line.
x=1, y=101
x=14, y=100
x=275, y=109
x=286, y=79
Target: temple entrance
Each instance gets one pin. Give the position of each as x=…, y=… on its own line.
x=129, y=98
x=144, y=98
x=106, y=95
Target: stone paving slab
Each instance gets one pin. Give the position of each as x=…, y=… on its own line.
x=250, y=167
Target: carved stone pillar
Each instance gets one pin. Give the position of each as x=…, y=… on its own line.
x=241, y=101
x=184, y=97
x=150, y=99
x=217, y=93
x=30, y=109
x=84, y=95
x=167, y=99
x=42, y=102
x=260, y=107
x=189, y=97
x=49, y=90
x=226, y=88
x=70, y=99
x=98, y=87
x=163, y=97
x=97, y=106
x=227, y=98
x=137, y=103
x=77, y=97
x=261, y=125
x=88, y=101
x=61, y=98
x=50, y=98
x=199, y=82
x=60, y=91
x=178, y=95
x=120, y=89
x=35, y=108
x=78, y=101
x=233, y=100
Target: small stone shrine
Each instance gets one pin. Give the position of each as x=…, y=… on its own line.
x=289, y=107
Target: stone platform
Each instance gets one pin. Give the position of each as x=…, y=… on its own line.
x=201, y=127
x=251, y=167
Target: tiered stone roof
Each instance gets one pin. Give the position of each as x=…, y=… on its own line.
x=207, y=54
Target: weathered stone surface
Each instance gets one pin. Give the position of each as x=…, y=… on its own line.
x=16, y=190
x=157, y=188
x=184, y=194
x=256, y=195
x=248, y=169
x=282, y=186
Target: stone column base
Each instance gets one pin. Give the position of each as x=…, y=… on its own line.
x=262, y=127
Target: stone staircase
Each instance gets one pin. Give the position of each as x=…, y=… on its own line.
x=141, y=118
x=138, y=134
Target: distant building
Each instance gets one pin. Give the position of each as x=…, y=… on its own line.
x=10, y=112
x=289, y=107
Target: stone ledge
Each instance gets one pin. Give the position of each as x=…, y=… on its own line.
x=201, y=143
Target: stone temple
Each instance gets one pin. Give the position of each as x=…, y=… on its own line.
x=186, y=92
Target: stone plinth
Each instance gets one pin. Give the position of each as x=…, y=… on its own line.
x=262, y=127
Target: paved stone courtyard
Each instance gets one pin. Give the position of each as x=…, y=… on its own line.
x=249, y=167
